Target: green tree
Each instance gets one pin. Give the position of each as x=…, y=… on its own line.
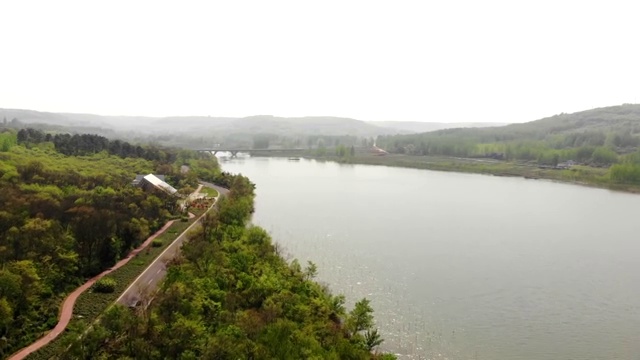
x=372, y=339
x=311, y=271
x=105, y=285
x=604, y=156
x=361, y=317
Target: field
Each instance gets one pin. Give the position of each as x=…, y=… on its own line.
x=210, y=192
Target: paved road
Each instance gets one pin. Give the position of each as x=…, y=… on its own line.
x=142, y=288
x=221, y=190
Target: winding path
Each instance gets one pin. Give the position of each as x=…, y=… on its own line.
x=66, y=311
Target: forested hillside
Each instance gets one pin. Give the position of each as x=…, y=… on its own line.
x=193, y=132
x=232, y=296
x=406, y=127
x=600, y=138
x=68, y=212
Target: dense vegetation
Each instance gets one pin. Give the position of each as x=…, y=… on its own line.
x=92, y=303
x=86, y=144
x=599, y=138
x=67, y=217
x=232, y=296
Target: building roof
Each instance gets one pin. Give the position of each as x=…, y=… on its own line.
x=139, y=178
x=160, y=184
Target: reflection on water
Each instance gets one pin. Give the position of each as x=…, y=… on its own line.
x=462, y=266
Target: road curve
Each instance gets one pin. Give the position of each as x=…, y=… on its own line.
x=66, y=311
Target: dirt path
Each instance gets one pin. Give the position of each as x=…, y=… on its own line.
x=66, y=311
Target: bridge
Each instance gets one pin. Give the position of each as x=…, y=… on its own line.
x=234, y=151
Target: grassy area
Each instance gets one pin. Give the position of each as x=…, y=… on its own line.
x=90, y=305
x=583, y=175
x=210, y=192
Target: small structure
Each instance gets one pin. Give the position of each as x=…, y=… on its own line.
x=151, y=182
x=138, y=179
x=566, y=165
x=377, y=151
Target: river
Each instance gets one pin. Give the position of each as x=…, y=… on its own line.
x=463, y=266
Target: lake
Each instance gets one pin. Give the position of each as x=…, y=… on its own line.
x=463, y=266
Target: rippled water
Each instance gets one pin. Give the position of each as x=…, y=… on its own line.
x=462, y=266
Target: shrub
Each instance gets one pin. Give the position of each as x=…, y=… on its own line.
x=105, y=285
x=156, y=243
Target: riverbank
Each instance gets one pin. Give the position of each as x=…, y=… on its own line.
x=578, y=175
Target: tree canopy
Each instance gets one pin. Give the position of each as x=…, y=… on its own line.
x=69, y=212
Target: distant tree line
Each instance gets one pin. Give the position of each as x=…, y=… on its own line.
x=88, y=144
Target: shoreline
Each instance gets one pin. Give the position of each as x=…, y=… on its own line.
x=577, y=175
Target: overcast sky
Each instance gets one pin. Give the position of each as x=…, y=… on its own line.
x=443, y=61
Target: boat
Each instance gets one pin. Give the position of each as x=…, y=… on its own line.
x=294, y=158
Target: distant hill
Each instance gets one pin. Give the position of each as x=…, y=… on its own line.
x=621, y=119
x=325, y=125
x=59, y=122
x=421, y=127
x=259, y=124
x=614, y=130
x=75, y=120
x=618, y=119
x=31, y=116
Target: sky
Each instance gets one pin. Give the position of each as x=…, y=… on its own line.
x=437, y=61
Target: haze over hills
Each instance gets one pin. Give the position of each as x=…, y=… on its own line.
x=620, y=119
x=598, y=136
x=420, y=127
x=316, y=125
x=310, y=125
x=622, y=122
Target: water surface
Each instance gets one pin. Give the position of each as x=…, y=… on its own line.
x=464, y=266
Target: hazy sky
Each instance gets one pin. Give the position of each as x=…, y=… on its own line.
x=445, y=61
